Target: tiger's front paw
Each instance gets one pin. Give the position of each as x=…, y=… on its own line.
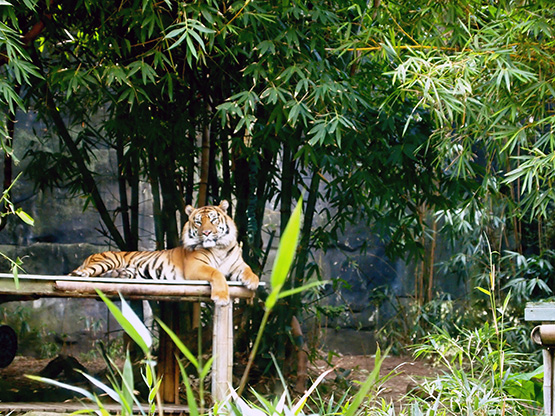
x=249, y=279
x=79, y=273
x=123, y=273
x=220, y=296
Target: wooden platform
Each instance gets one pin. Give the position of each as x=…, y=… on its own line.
x=40, y=286
x=31, y=287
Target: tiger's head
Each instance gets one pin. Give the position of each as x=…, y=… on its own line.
x=209, y=227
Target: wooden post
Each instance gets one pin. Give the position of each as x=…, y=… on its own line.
x=168, y=368
x=222, y=350
x=548, y=381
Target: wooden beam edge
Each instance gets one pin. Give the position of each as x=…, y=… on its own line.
x=37, y=286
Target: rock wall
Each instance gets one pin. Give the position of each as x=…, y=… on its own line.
x=64, y=234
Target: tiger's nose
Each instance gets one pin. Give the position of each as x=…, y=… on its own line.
x=206, y=232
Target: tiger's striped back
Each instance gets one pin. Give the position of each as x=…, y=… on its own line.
x=161, y=264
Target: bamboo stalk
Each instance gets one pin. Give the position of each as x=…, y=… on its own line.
x=222, y=350
x=548, y=381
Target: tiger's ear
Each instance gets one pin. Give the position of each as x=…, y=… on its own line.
x=188, y=210
x=224, y=205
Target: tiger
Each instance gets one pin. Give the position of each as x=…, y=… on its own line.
x=209, y=251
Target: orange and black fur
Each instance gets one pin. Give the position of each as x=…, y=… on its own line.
x=210, y=251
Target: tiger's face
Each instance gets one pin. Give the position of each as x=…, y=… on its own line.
x=209, y=227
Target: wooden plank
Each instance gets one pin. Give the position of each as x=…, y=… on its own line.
x=540, y=312
x=48, y=277
x=70, y=407
x=23, y=278
x=36, y=286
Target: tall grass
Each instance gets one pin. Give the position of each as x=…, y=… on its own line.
x=480, y=369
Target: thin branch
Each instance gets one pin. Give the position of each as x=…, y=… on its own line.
x=236, y=15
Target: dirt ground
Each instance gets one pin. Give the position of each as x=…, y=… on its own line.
x=16, y=387
x=399, y=374
x=347, y=369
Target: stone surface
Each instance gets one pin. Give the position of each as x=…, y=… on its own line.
x=48, y=258
x=348, y=341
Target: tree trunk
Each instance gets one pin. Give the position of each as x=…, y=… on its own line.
x=190, y=184
x=284, y=311
x=287, y=179
x=304, y=243
x=213, y=192
x=134, y=185
x=122, y=185
x=242, y=186
x=266, y=163
x=156, y=202
x=431, y=260
x=169, y=203
x=204, y=166
x=226, y=168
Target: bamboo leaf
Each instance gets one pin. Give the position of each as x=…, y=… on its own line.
x=484, y=291
x=191, y=400
x=106, y=389
x=296, y=290
x=128, y=384
x=137, y=324
x=285, y=254
x=353, y=407
x=179, y=344
x=206, y=369
x=57, y=383
x=26, y=218
x=130, y=323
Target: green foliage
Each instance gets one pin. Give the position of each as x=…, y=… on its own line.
x=412, y=322
x=130, y=323
x=312, y=400
x=17, y=68
x=20, y=318
x=284, y=258
x=280, y=271
x=482, y=355
x=202, y=370
x=396, y=119
x=146, y=84
x=484, y=74
x=482, y=374
x=10, y=209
